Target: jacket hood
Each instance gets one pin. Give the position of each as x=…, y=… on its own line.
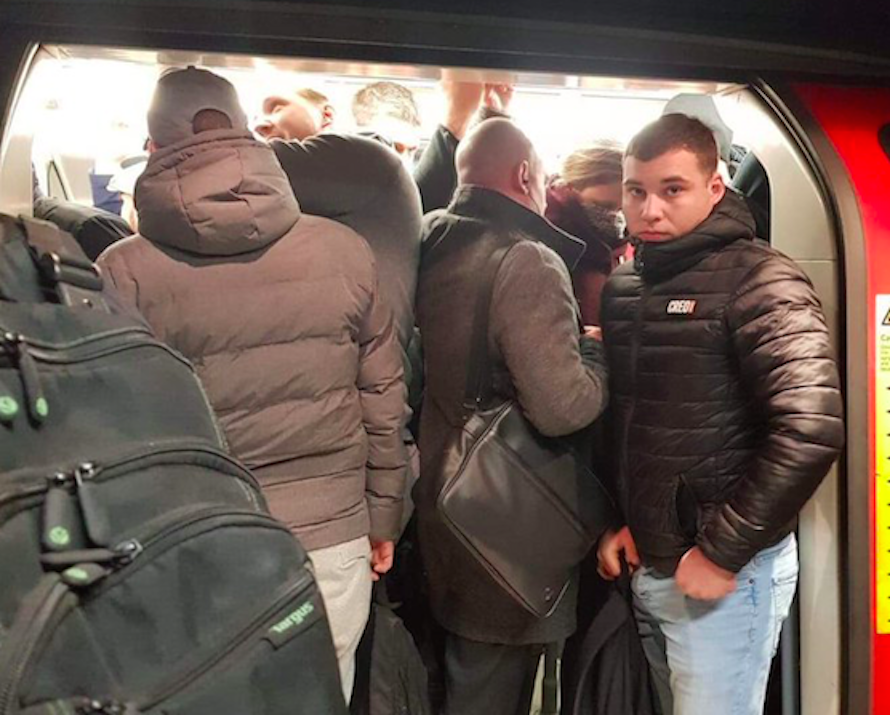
x=730, y=221
x=220, y=193
x=476, y=202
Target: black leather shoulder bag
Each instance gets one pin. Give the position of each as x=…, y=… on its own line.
x=523, y=504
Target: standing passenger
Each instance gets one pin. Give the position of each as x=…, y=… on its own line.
x=388, y=112
x=363, y=184
x=538, y=355
x=355, y=181
x=466, y=103
x=727, y=405
x=279, y=311
x=585, y=201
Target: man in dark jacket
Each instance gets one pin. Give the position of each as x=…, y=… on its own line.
x=539, y=356
x=727, y=406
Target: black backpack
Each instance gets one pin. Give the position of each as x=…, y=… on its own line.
x=139, y=569
x=391, y=677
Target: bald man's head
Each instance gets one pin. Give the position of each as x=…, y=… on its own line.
x=497, y=155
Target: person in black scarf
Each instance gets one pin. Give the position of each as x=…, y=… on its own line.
x=584, y=199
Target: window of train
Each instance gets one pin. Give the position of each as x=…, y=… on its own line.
x=86, y=107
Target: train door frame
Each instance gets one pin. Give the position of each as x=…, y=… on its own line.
x=496, y=48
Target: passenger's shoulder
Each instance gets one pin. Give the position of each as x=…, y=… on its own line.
x=764, y=263
x=530, y=261
x=331, y=231
x=369, y=155
x=338, y=241
x=125, y=251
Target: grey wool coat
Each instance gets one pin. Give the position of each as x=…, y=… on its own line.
x=539, y=357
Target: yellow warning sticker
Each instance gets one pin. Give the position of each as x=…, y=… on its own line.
x=882, y=461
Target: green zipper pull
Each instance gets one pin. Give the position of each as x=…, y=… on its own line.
x=62, y=523
x=84, y=575
x=9, y=406
x=17, y=348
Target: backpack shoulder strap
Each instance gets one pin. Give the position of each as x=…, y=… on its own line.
x=63, y=267
x=19, y=278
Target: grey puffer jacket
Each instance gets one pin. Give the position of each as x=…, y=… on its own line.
x=280, y=314
x=725, y=392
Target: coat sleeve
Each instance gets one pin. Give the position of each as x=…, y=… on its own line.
x=435, y=173
x=787, y=367
x=383, y=399
x=560, y=383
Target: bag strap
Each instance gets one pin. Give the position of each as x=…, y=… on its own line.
x=478, y=388
x=19, y=279
x=63, y=266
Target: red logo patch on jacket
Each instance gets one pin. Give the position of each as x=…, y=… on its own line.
x=681, y=307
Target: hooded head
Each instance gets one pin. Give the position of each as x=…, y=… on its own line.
x=189, y=101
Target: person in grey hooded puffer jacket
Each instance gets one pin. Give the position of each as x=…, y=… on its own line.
x=279, y=312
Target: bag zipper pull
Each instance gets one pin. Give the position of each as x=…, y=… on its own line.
x=62, y=521
x=17, y=349
x=9, y=406
x=121, y=555
x=104, y=707
x=94, y=518
x=83, y=575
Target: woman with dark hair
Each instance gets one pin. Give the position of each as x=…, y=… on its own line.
x=584, y=199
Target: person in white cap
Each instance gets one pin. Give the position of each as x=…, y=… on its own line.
x=280, y=313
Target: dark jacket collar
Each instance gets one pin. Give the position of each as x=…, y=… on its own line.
x=490, y=206
x=730, y=221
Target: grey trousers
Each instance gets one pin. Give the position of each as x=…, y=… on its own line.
x=343, y=573
x=489, y=679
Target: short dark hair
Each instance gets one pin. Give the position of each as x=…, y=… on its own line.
x=386, y=99
x=671, y=132
x=207, y=120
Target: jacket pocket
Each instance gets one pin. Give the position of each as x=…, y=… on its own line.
x=689, y=504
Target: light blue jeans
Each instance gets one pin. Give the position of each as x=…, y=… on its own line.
x=713, y=657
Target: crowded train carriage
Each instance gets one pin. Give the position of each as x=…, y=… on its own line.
x=354, y=254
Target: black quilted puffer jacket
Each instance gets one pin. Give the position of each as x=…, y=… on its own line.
x=725, y=392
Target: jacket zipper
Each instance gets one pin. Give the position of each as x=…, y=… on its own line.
x=176, y=686
x=634, y=364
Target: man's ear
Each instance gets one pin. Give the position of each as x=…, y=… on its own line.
x=151, y=147
x=271, y=104
x=717, y=188
x=523, y=176
x=328, y=113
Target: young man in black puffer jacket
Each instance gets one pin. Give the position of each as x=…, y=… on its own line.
x=728, y=414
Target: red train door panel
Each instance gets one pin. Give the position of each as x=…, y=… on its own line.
x=855, y=120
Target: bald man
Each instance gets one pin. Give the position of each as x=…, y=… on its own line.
x=539, y=356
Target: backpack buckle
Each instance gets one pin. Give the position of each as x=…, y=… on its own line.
x=77, y=282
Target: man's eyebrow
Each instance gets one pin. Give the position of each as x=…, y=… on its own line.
x=675, y=180
x=632, y=182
